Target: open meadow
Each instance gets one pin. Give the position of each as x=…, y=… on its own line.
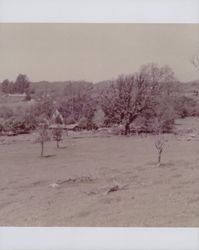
x=104, y=180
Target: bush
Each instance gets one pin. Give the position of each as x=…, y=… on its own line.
x=19, y=124
x=118, y=129
x=83, y=123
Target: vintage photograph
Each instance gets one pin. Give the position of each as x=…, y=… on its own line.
x=99, y=125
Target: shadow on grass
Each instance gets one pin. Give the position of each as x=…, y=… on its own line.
x=167, y=164
x=47, y=156
x=163, y=164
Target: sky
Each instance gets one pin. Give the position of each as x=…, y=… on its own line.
x=95, y=52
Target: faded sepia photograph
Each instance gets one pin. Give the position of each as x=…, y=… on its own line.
x=99, y=125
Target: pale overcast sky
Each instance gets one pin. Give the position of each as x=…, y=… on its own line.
x=95, y=52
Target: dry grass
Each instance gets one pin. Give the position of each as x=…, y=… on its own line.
x=153, y=196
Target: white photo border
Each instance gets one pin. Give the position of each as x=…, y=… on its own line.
x=103, y=11
x=99, y=11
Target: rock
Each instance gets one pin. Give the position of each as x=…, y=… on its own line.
x=54, y=185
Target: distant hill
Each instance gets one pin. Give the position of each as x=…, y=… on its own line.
x=187, y=88
x=58, y=85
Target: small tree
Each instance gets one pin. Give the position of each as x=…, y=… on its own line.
x=159, y=144
x=43, y=137
x=22, y=84
x=160, y=139
x=57, y=134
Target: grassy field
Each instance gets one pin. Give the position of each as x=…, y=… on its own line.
x=72, y=186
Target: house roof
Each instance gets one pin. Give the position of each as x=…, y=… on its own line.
x=69, y=127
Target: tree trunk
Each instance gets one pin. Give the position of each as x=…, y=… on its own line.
x=159, y=158
x=42, y=149
x=57, y=144
x=127, y=128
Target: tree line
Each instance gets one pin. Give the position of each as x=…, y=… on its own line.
x=139, y=100
x=20, y=85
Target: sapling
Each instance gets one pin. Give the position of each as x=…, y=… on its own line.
x=43, y=137
x=160, y=142
x=57, y=134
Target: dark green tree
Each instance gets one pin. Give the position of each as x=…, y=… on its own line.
x=22, y=84
x=5, y=86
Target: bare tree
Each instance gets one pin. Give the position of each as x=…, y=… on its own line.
x=134, y=95
x=160, y=139
x=160, y=144
x=43, y=137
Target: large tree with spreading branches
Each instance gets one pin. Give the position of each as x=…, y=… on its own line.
x=134, y=95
